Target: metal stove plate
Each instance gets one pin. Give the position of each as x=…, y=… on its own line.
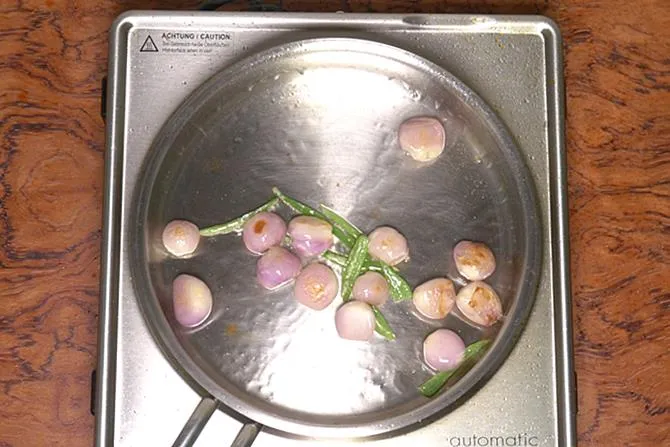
x=319, y=119
x=512, y=62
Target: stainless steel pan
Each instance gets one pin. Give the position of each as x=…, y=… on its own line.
x=318, y=118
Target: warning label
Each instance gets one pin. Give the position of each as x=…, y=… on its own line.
x=149, y=46
x=183, y=42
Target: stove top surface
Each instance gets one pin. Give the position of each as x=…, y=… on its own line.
x=513, y=63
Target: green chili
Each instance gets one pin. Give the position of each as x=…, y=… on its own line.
x=376, y=266
x=472, y=354
x=335, y=258
x=382, y=327
x=237, y=224
x=345, y=227
x=297, y=205
x=354, y=266
x=398, y=286
x=435, y=383
x=341, y=260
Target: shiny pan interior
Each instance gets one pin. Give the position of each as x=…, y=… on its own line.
x=319, y=118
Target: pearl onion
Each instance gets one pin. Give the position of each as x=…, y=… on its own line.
x=443, y=350
x=480, y=303
x=474, y=260
x=423, y=138
x=263, y=231
x=435, y=298
x=371, y=288
x=191, y=300
x=310, y=236
x=277, y=267
x=316, y=286
x=181, y=237
x=388, y=245
x=355, y=321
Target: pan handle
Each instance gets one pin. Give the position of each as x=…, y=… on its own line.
x=196, y=423
x=247, y=435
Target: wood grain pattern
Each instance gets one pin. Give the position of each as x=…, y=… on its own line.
x=52, y=59
x=618, y=71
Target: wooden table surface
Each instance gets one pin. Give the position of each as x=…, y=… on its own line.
x=52, y=58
